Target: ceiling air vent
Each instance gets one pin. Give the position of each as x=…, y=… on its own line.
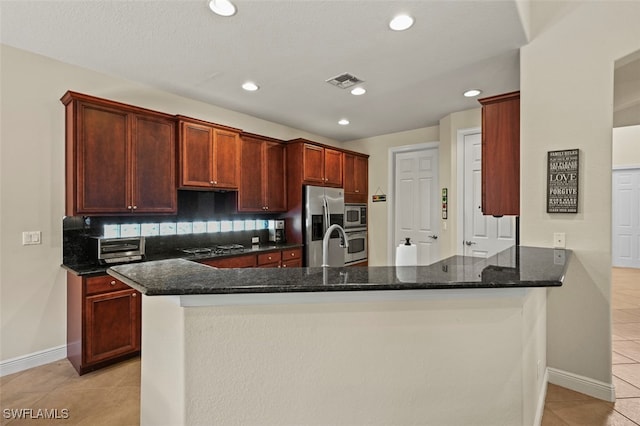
x=344, y=81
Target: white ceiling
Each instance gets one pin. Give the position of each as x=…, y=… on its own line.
x=289, y=47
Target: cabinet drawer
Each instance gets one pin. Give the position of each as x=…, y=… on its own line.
x=104, y=284
x=232, y=262
x=295, y=253
x=271, y=257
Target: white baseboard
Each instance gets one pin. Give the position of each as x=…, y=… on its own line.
x=582, y=384
x=25, y=362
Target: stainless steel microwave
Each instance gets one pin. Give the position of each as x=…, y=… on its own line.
x=355, y=216
x=118, y=250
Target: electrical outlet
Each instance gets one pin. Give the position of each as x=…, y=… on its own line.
x=255, y=240
x=31, y=238
x=558, y=240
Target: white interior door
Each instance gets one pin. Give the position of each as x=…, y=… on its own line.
x=484, y=236
x=417, y=202
x=626, y=218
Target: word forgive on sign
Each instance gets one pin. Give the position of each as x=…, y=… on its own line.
x=562, y=181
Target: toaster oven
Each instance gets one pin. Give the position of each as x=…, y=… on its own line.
x=117, y=250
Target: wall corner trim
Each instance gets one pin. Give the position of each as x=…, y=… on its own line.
x=35, y=359
x=582, y=384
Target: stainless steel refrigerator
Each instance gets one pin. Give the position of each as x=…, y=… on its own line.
x=322, y=208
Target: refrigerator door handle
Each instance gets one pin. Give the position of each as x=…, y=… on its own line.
x=325, y=207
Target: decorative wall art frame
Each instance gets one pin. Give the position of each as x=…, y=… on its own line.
x=562, y=181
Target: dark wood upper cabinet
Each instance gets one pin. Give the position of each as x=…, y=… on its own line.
x=153, y=149
x=262, y=175
x=501, y=154
x=333, y=167
x=209, y=155
x=356, y=178
x=119, y=159
x=321, y=165
x=275, y=181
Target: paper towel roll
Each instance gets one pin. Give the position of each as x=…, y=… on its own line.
x=406, y=255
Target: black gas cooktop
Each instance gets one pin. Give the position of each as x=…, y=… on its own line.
x=215, y=250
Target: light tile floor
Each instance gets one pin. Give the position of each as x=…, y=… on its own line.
x=111, y=396
x=565, y=407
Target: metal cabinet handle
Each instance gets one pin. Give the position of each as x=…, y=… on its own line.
x=133, y=295
x=113, y=282
x=433, y=237
x=135, y=207
x=469, y=242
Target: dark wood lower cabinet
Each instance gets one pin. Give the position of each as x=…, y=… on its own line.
x=103, y=321
x=288, y=258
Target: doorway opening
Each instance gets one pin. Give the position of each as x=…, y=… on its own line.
x=415, y=205
x=479, y=235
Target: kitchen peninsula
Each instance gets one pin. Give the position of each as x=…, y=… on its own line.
x=461, y=341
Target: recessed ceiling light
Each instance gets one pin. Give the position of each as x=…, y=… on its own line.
x=222, y=7
x=472, y=93
x=401, y=23
x=250, y=86
x=343, y=122
x=359, y=91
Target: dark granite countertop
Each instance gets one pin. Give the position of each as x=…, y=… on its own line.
x=96, y=269
x=512, y=268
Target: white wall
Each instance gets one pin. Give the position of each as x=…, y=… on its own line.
x=32, y=284
x=566, y=102
x=378, y=149
x=439, y=358
x=626, y=146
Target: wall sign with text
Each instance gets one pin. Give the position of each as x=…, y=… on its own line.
x=562, y=181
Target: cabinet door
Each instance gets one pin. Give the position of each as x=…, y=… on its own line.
x=275, y=195
x=355, y=178
x=250, y=192
x=292, y=263
x=313, y=164
x=332, y=167
x=153, y=165
x=226, y=159
x=102, y=160
x=501, y=155
x=196, y=155
x=361, y=175
x=112, y=322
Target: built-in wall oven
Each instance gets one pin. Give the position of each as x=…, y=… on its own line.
x=355, y=216
x=357, y=250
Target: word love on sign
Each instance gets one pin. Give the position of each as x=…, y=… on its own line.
x=562, y=181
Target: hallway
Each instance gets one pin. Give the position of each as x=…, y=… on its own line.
x=565, y=407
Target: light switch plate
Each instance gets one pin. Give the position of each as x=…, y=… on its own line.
x=31, y=238
x=559, y=240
